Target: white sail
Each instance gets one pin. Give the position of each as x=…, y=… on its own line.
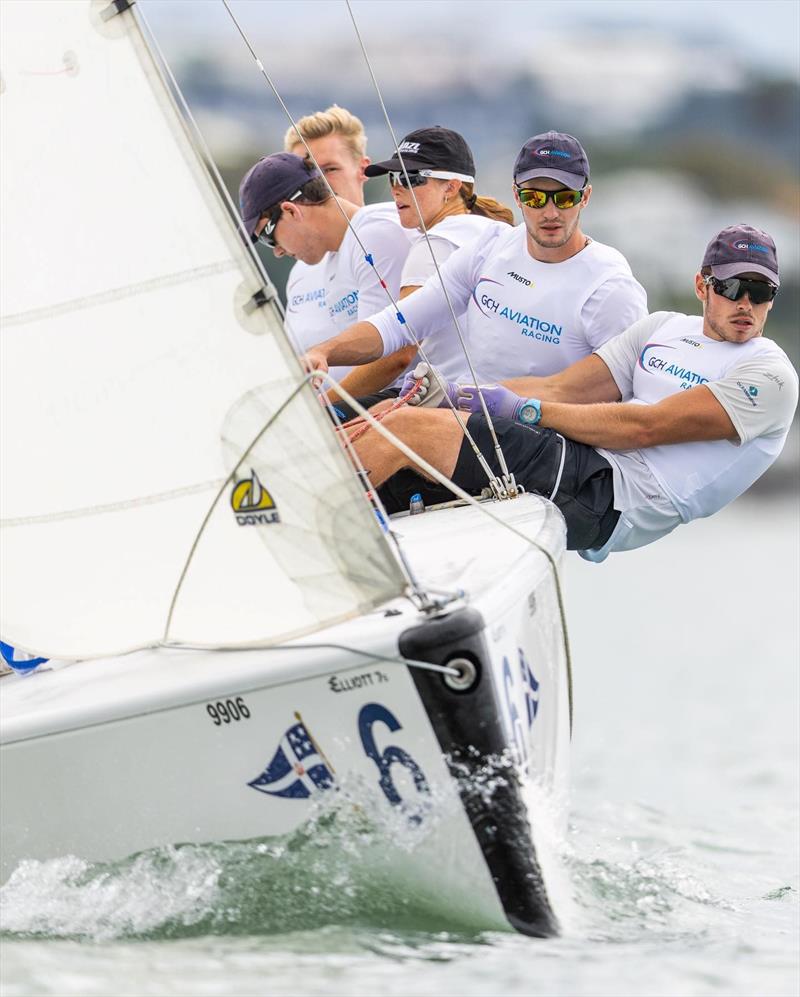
x=134, y=380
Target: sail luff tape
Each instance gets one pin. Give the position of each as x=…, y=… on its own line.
x=116, y=7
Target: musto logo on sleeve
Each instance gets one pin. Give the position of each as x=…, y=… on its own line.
x=252, y=503
x=489, y=302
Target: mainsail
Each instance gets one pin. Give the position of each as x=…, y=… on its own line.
x=142, y=385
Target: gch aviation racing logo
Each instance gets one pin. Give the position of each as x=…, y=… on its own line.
x=529, y=325
x=745, y=247
x=652, y=363
x=252, y=503
x=552, y=152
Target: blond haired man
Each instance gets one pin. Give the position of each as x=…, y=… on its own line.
x=337, y=141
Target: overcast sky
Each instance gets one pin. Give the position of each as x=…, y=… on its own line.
x=761, y=33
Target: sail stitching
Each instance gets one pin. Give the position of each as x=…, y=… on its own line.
x=131, y=290
x=93, y=510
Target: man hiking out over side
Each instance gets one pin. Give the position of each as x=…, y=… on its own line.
x=666, y=423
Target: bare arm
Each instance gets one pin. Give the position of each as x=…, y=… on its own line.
x=358, y=344
x=372, y=377
x=685, y=417
x=584, y=382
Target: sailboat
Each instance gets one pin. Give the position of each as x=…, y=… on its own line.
x=229, y=633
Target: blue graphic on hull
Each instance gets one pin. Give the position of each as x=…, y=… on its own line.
x=297, y=769
x=20, y=661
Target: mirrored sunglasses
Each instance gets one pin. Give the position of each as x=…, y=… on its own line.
x=562, y=199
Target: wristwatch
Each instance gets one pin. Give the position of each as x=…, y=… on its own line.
x=531, y=412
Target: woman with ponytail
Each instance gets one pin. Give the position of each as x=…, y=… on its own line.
x=433, y=186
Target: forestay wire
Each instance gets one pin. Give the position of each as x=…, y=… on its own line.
x=505, y=488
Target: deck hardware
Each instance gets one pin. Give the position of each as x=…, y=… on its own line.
x=259, y=299
x=116, y=7
x=466, y=678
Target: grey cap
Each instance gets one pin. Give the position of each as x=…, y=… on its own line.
x=742, y=249
x=555, y=156
x=273, y=179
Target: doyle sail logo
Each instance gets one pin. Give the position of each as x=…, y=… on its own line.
x=252, y=503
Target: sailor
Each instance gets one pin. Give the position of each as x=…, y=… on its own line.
x=337, y=141
x=433, y=187
x=287, y=205
x=537, y=297
x=666, y=423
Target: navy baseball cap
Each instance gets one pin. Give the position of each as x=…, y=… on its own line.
x=433, y=148
x=273, y=179
x=742, y=249
x=556, y=156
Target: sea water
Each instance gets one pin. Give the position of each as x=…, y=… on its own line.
x=678, y=875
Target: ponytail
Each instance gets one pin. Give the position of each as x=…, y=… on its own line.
x=487, y=207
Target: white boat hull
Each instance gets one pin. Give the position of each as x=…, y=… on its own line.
x=106, y=758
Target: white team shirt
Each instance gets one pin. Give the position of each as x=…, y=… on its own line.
x=442, y=347
x=352, y=287
x=307, y=319
x=658, y=488
x=324, y=298
x=523, y=316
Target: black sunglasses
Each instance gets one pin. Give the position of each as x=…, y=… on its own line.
x=734, y=288
x=267, y=234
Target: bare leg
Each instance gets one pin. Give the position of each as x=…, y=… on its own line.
x=432, y=433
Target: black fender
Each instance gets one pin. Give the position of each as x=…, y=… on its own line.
x=469, y=727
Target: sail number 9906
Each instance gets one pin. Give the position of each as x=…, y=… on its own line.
x=231, y=709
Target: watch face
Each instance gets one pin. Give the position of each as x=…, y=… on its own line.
x=529, y=414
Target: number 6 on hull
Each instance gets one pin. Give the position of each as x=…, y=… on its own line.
x=371, y=714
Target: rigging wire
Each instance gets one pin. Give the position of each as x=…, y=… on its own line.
x=498, y=486
x=387, y=434
x=471, y=500
x=508, y=479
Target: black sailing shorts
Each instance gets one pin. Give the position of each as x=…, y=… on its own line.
x=573, y=475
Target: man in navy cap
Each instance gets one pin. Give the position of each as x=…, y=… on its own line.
x=706, y=405
x=287, y=205
x=533, y=298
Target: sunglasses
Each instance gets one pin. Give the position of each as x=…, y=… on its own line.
x=734, y=288
x=418, y=178
x=562, y=199
x=267, y=234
